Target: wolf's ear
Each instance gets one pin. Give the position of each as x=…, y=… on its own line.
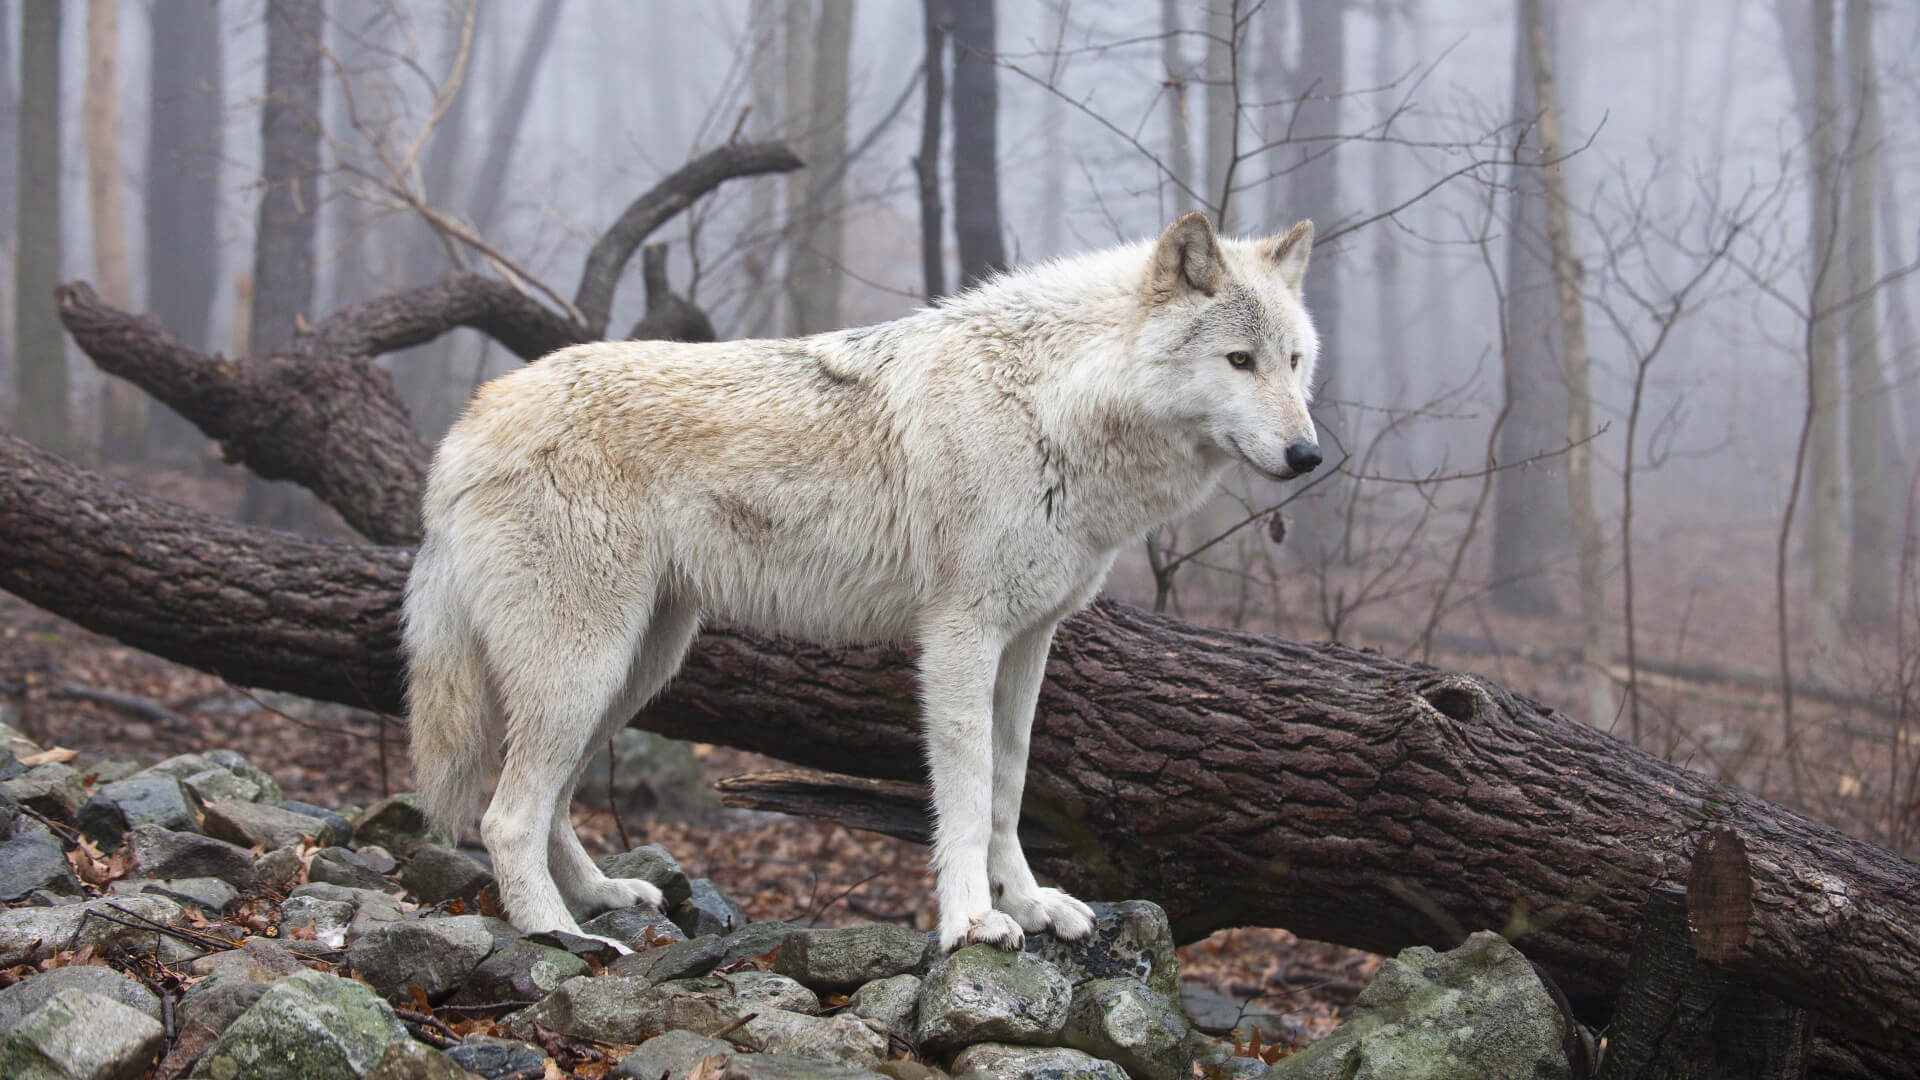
x=1187, y=256
x=1288, y=253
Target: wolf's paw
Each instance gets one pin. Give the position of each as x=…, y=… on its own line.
x=1049, y=909
x=609, y=894
x=995, y=928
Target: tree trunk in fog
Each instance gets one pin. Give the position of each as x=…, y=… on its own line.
x=976, y=151
x=123, y=408
x=508, y=117
x=1903, y=339
x=814, y=274
x=1530, y=519
x=9, y=186
x=283, y=255
x=1873, y=452
x=1573, y=343
x=1223, y=107
x=765, y=122
x=39, y=347
x=796, y=41
x=1390, y=369
x=926, y=163
x=1173, y=65
x=1810, y=62
x=184, y=127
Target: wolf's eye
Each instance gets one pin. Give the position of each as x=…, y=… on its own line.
x=1296, y=361
x=1241, y=360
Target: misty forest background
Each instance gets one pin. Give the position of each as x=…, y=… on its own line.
x=1620, y=370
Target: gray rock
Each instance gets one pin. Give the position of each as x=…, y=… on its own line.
x=997, y=1061
x=27, y=995
x=1131, y=939
x=491, y=1057
x=749, y=990
x=179, y=766
x=75, y=1035
x=111, y=769
x=707, y=910
x=405, y=1059
x=671, y=1055
x=431, y=955
x=278, y=869
x=335, y=828
x=143, y=799
x=214, y=1009
x=307, y=1026
x=12, y=738
x=53, y=789
x=255, y=825
x=651, y=863
x=611, y=1008
x=213, y=784
x=376, y=858
x=844, y=1039
x=342, y=866
x=9, y=806
x=258, y=960
x=328, y=919
x=637, y=927
x=1217, y=1014
x=852, y=956
x=701, y=955
x=210, y=895
x=791, y=1067
x=399, y=823
x=983, y=994
x=891, y=1003
x=370, y=908
x=164, y=853
x=1123, y=1021
x=10, y=766
x=654, y=779
x=32, y=859
x=519, y=971
x=1478, y=1010
x=238, y=765
x=437, y=874
x=113, y=921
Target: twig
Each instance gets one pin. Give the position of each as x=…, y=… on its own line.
x=126, y=703
x=428, y=1020
x=613, y=804
x=736, y=1026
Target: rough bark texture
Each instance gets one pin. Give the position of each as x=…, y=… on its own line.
x=123, y=408
x=814, y=264
x=1236, y=779
x=926, y=164
x=976, y=154
x=40, y=361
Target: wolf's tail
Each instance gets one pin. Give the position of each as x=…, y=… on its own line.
x=454, y=753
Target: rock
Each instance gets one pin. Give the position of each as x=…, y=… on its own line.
x=431, y=955
x=611, y=1008
x=213, y=784
x=491, y=1057
x=210, y=895
x=179, y=766
x=343, y=866
x=654, y=778
x=650, y=863
x=1478, y=1010
x=1217, y=1014
x=852, y=956
x=399, y=823
x=405, y=1059
x=844, y=1039
x=253, y=825
x=791, y=1067
x=1125, y=1022
x=637, y=927
x=370, y=908
x=328, y=919
x=519, y=971
x=701, y=955
x=983, y=994
x=53, y=790
x=23, y=997
x=9, y=807
x=278, y=869
x=307, y=1026
x=75, y=1035
x=238, y=765
x=32, y=859
x=896, y=1069
x=891, y=1003
x=1130, y=939
x=376, y=858
x=164, y=853
x=10, y=766
x=143, y=799
x=997, y=1061
x=751, y=990
x=707, y=910
x=436, y=874
x=257, y=960
x=336, y=829
x=672, y=1055
x=41, y=931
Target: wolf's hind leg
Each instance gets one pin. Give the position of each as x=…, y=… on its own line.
x=584, y=886
x=1016, y=691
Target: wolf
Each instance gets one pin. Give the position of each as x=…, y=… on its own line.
x=960, y=478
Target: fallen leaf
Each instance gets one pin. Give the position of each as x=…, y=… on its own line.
x=58, y=754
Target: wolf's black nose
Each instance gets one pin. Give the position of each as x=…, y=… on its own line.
x=1303, y=456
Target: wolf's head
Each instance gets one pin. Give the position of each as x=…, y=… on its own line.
x=1226, y=325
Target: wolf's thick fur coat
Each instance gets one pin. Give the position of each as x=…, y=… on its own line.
x=961, y=478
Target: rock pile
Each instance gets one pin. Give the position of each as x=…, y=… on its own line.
x=186, y=920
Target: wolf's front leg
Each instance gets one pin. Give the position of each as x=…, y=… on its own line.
x=1016, y=691
x=957, y=664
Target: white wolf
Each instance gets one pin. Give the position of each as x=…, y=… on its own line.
x=961, y=478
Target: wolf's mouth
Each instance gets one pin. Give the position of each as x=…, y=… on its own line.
x=1283, y=475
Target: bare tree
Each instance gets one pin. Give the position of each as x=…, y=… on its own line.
x=1222, y=72
x=926, y=163
x=1173, y=62
x=814, y=263
x=976, y=132
x=123, y=415
x=41, y=413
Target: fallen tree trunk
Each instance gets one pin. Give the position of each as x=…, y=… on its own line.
x=1235, y=779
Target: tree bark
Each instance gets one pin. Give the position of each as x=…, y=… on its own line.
x=1221, y=71
x=1236, y=779
x=926, y=164
x=39, y=351
x=976, y=134
x=123, y=408
x=814, y=265
x=1173, y=66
